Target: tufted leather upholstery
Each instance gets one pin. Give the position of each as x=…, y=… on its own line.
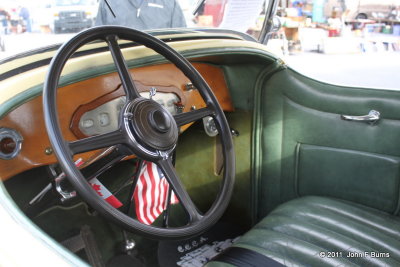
x=296, y=232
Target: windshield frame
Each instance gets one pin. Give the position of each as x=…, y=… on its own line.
x=268, y=24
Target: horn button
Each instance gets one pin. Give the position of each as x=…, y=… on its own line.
x=152, y=124
x=160, y=121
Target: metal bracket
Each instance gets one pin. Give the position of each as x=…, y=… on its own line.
x=65, y=194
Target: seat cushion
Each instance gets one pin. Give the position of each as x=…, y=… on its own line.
x=318, y=231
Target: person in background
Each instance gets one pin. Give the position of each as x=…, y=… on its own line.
x=15, y=21
x=145, y=14
x=4, y=18
x=24, y=14
x=334, y=24
x=298, y=4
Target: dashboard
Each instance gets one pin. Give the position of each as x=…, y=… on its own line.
x=91, y=107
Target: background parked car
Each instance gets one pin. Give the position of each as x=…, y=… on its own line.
x=73, y=15
x=370, y=9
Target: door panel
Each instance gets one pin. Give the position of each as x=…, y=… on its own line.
x=305, y=148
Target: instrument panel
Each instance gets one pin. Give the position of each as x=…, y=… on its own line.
x=104, y=118
x=91, y=107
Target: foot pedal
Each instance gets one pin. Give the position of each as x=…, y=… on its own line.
x=85, y=241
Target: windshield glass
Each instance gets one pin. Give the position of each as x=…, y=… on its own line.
x=26, y=25
x=316, y=36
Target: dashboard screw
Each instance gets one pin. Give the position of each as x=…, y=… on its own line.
x=48, y=151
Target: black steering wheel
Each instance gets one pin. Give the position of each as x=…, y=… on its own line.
x=145, y=128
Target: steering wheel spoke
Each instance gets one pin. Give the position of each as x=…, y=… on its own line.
x=179, y=189
x=122, y=68
x=96, y=142
x=191, y=116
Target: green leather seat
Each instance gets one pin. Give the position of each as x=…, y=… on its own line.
x=319, y=231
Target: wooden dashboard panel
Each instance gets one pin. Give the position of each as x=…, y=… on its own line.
x=28, y=118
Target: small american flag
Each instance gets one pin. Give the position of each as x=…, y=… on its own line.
x=151, y=193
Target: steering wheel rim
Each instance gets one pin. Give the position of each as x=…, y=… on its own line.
x=128, y=135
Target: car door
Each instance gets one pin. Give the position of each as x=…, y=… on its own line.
x=303, y=145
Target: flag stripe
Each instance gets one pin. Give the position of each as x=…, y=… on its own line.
x=165, y=188
x=162, y=197
x=157, y=193
x=145, y=193
x=139, y=199
x=148, y=192
x=153, y=195
x=139, y=202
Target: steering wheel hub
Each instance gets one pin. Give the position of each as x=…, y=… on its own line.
x=160, y=121
x=152, y=125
